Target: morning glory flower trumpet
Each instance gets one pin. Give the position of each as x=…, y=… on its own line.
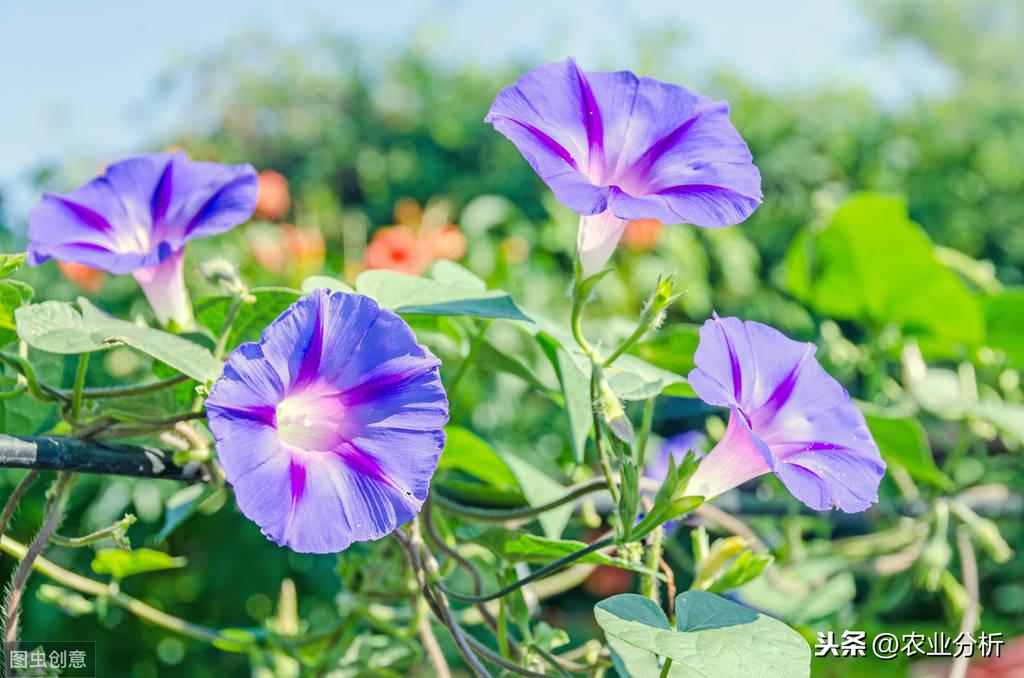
x=614, y=148
x=787, y=416
x=331, y=426
x=137, y=218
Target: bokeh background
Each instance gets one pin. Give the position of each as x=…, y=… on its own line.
x=366, y=121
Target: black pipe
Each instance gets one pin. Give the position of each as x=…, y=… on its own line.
x=89, y=456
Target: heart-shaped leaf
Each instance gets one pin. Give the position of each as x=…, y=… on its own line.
x=713, y=637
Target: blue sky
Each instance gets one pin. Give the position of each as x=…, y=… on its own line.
x=75, y=77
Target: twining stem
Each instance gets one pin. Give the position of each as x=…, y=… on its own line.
x=36, y=388
x=474, y=346
x=54, y=514
x=76, y=394
x=12, y=502
x=504, y=515
x=498, y=660
x=114, y=530
x=533, y=576
x=436, y=601
x=131, y=390
x=969, y=568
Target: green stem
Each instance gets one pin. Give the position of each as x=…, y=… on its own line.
x=649, y=582
x=137, y=607
x=225, y=332
x=113, y=530
x=76, y=395
x=478, y=340
x=504, y=515
x=666, y=667
x=638, y=333
x=36, y=388
x=533, y=576
x=578, y=302
x=640, y=446
x=131, y=390
x=602, y=449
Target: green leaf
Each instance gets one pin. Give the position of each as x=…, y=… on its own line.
x=180, y=507
x=57, y=327
x=539, y=488
x=411, y=294
x=318, y=282
x=575, y=386
x=671, y=348
x=815, y=589
x=519, y=546
x=9, y=263
x=1004, y=315
x=713, y=637
x=120, y=564
x=873, y=264
x=466, y=452
x=903, y=441
x=13, y=295
x=251, y=319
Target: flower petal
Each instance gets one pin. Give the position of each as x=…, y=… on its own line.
x=596, y=240
x=357, y=412
x=547, y=114
x=819, y=443
x=164, y=287
x=207, y=198
x=738, y=457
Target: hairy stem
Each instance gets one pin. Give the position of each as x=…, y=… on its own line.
x=504, y=515
x=54, y=514
x=12, y=502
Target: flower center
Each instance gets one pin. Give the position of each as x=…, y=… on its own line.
x=311, y=420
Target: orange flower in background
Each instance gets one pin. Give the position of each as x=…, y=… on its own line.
x=642, y=235
x=273, y=199
x=85, y=278
x=398, y=248
x=447, y=243
x=419, y=238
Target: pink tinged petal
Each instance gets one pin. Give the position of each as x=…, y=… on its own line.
x=819, y=443
x=596, y=240
x=164, y=287
x=738, y=457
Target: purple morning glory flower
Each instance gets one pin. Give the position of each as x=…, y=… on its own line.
x=614, y=147
x=330, y=427
x=137, y=217
x=788, y=417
